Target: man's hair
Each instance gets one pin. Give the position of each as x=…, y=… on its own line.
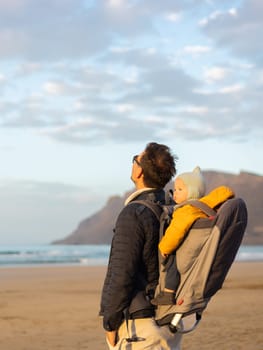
x=158, y=165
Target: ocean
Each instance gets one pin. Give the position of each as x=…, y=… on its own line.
x=86, y=255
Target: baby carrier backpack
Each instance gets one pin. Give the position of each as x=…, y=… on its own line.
x=203, y=259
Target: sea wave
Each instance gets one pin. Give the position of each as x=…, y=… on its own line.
x=89, y=255
x=54, y=255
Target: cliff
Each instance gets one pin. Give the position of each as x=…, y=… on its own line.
x=98, y=229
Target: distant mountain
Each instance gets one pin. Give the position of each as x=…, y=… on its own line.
x=98, y=229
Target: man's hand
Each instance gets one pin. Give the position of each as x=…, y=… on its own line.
x=112, y=337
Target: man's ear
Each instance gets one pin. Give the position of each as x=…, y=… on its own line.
x=139, y=173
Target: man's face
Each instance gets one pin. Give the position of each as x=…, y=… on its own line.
x=136, y=168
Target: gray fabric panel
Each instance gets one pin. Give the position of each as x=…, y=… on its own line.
x=204, y=259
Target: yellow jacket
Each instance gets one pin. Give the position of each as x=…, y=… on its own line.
x=184, y=217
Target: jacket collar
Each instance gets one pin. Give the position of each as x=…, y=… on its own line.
x=144, y=193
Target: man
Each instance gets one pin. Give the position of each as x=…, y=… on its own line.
x=133, y=265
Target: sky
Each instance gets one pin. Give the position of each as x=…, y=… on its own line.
x=86, y=84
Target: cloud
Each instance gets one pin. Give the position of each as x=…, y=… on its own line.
x=70, y=29
x=54, y=88
x=173, y=16
x=107, y=112
x=116, y=3
x=12, y=6
x=28, y=68
x=215, y=73
x=109, y=130
x=196, y=49
x=2, y=78
x=239, y=30
x=231, y=89
x=50, y=30
x=112, y=70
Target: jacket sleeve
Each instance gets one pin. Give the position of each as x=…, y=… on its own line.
x=124, y=264
x=218, y=196
x=182, y=220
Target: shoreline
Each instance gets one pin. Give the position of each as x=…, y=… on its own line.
x=56, y=307
x=79, y=265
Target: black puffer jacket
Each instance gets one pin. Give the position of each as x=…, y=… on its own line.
x=133, y=264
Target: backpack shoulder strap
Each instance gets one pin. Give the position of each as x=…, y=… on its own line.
x=163, y=213
x=156, y=208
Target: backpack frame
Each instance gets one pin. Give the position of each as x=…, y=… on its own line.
x=203, y=258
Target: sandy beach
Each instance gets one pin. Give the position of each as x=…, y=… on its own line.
x=56, y=308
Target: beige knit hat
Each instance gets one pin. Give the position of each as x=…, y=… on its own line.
x=195, y=183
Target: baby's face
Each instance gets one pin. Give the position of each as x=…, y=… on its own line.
x=180, y=191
